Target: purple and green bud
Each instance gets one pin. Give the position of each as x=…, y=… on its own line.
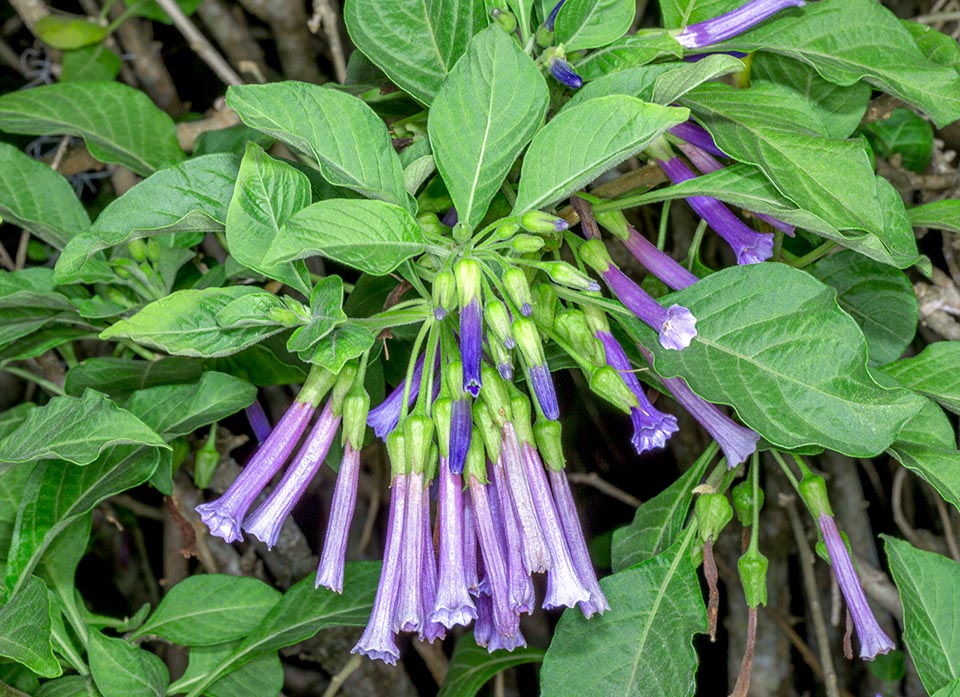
x=750, y=246
x=550, y=443
x=752, y=568
x=454, y=419
x=660, y=264
x=515, y=282
x=498, y=320
x=467, y=272
x=542, y=223
x=676, y=325
x=502, y=357
x=744, y=503
x=444, y=294
x=713, y=512
x=564, y=73
x=732, y=24
x=333, y=556
x=541, y=383
x=873, y=640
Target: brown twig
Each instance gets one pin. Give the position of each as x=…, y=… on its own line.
x=325, y=15
x=295, y=47
x=152, y=74
x=225, y=23
x=30, y=11
x=336, y=682
x=947, y=527
x=436, y=660
x=713, y=602
x=746, y=665
x=901, y=521
x=199, y=43
x=593, y=479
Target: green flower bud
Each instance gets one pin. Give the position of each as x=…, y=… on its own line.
x=418, y=437
x=528, y=340
x=744, y=504
x=550, y=443
x=356, y=406
x=498, y=319
x=594, y=254
x=120, y=267
x=566, y=275
x=526, y=244
x=505, y=19
x=487, y=428
x=544, y=37
x=444, y=291
x=476, y=464
x=542, y=223
x=753, y=577
x=153, y=250
x=813, y=491
x=544, y=304
x=713, y=512
x=462, y=232
x=522, y=414
x=117, y=297
x=396, y=451
x=515, y=281
x=495, y=395
x=430, y=224
x=441, y=412
x=572, y=327
x=507, y=230
x=138, y=249
x=606, y=382
x=148, y=272
x=467, y=272
x=615, y=222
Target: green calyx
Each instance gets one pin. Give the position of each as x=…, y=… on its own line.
x=752, y=567
x=713, y=512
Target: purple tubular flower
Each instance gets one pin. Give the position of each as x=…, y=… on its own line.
x=737, y=442
x=378, y=640
x=461, y=432
x=751, y=247
x=536, y=553
x=430, y=630
x=453, y=604
x=483, y=631
x=563, y=585
x=564, y=73
x=224, y=515
x=471, y=345
x=733, y=23
x=330, y=570
x=567, y=511
x=259, y=422
x=409, y=617
x=695, y=134
x=522, y=597
x=552, y=17
x=384, y=417
x=505, y=620
x=265, y=522
x=470, y=547
x=543, y=390
x=873, y=640
x=507, y=643
x=675, y=325
x=651, y=427
x=661, y=265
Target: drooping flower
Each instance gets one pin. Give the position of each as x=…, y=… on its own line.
x=528, y=341
x=453, y=603
x=661, y=265
x=564, y=73
x=750, y=247
x=873, y=640
x=675, y=325
x=696, y=134
x=467, y=271
x=522, y=597
x=733, y=23
x=330, y=570
x=533, y=543
x=385, y=416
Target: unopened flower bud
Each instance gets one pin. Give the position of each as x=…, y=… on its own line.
x=515, y=281
x=572, y=327
x=528, y=340
x=138, y=249
x=154, y=251
x=507, y=230
x=607, y=383
x=566, y=275
x=550, y=443
x=444, y=293
x=526, y=244
x=544, y=304
x=813, y=491
x=564, y=73
x=461, y=232
x=744, y=504
x=542, y=223
x=498, y=320
x=495, y=395
x=418, y=437
x=713, y=512
x=501, y=356
x=753, y=577
x=505, y=19
x=615, y=222
x=486, y=427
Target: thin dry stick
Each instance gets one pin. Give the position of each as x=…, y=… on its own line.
x=325, y=15
x=937, y=17
x=947, y=527
x=898, y=517
x=336, y=682
x=198, y=42
x=746, y=665
x=807, y=561
x=594, y=480
x=801, y=646
x=435, y=658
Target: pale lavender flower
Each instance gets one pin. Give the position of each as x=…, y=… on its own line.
x=430, y=630
x=873, y=640
x=733, y=23
x=409, y=617
x=750, y=246
x=461, y=433
x=224, y=515
x=378, y=640
x=453, y=604
x=567, y=512
x=533, y=544
x=675, y=325
x=470, y=547
x=661, y=265
x=330, y=570
x=651, y=427
x=522, y=596
x=265, y=522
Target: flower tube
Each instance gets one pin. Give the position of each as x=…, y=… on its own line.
x=733, y=23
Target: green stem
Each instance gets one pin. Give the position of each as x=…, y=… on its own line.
x=319, y=381
x=421, y=335
x=786, y=469
x=755, y=525
x=695, y=245
x=814, y=255
x=50, y=387
x=662, y=232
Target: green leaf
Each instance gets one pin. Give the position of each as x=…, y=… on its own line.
x=681, y=13
x=122, y=376
x=879, y=297
x=582, y=142
x=121, y=669
x=840, y=108
x=230, y=139
x=584, y=24
x=773, y=343
x=851, y=40
x=484, y=114
x=642, y=645
x=191, y=197
x=929, y=586
x=261, y=676
x=472, y=666
x=24, y=312
x=326, y=313
x=185, y=323
x=345, y=137
x=69, y=686
x=344, y=343
x=771, y=127
x=13, y=417
x=25, y=630
x=57, y=493
x=902, y=133
x=210, y=609
x=76, y=430
x=675, y=83
x=63, y=32
x=176, y=410
x=935, y=45
x=90, y=64
x=267, y=193
x=927, y=447
x=302, y=612
x=415, y=42
x=38, y=198
x=372, y=236
x=657, y=523
x=118, y=123
x=58, y=566
x=942, y=215
x=933, y=373
x=629, y=52
x=951, y=689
